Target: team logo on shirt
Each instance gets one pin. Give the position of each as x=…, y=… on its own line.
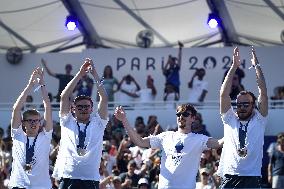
x=177, y=156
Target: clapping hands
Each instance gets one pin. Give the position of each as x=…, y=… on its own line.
x=119, y=113
x=36, y=77
x=88, y=66
x=236, y=57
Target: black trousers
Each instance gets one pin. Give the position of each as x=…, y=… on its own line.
x=235, y=181
x=67, y=183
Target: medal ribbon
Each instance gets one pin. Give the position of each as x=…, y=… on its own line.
x=82, y=136
x=243, y=134
x=30, y=150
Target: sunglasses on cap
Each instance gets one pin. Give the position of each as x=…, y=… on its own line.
x=184, y=114
x=243, y=104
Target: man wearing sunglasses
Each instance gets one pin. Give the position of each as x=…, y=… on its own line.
x=78, y=160
x=181, y=150
x=31, y=147
x=241, y=158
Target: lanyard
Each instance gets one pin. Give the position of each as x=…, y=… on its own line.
x=82, y=135
x=30, y=150
x=243, y=133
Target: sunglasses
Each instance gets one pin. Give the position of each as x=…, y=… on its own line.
x=243, y=104
x=81, y=107
x=184, y=114
x=32, y=121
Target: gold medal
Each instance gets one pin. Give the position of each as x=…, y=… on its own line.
x=28, y=167
x=81, y=151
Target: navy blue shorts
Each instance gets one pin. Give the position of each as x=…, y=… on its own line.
x=67, y=183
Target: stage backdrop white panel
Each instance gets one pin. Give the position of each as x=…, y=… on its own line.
x=143, y=62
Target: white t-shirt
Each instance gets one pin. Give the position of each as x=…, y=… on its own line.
x=145, y=95
x=181, y=154
x=129, y=88
x=68, y=163
x=197, y=87
x=199, y=185
x=230, y=162
x=38, y=177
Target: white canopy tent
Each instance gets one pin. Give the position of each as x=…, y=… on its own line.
x=38, y=26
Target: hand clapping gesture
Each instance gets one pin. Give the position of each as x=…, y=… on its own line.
x=33, y=78
x=236, y=57
x=87, y=66
x=254, y=60
x=40, y=78
x=120, y=113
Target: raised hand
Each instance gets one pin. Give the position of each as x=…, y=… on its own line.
x=40, y=75
x=92, y=66
x=254, y=60
x=33, y=79
x=119, y=113
x=43, y=61
x=180, y=44
x=85, y=68
x=236, y=57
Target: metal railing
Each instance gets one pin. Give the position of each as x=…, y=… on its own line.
x=154, y=105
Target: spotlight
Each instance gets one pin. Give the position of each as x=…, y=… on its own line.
x=71, y=22
x=213, y=20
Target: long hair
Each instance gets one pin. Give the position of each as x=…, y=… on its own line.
x=110, y=74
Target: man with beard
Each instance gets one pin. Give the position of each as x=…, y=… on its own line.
x=241, y=159
x=81, y=144
x=181, y=150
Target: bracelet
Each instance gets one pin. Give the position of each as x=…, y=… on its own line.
x=254, y=66
x=257, y=65
x=100, y=83
x=37, y=88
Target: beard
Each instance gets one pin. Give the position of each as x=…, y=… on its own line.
x=244, y=116
x=181, y=124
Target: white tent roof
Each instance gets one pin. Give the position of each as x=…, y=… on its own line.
x=38, y=26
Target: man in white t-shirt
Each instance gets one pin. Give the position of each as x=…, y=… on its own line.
x=198, y=86
x=181, y=150
x=241, y=158
x=31, y=147
x=82, y=130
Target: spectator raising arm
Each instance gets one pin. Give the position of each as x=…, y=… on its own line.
x=43, y=62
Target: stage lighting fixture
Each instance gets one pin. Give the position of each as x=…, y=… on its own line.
x=213, y=20
x=71, y=22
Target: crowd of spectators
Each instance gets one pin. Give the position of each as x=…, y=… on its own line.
x=124, y=165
